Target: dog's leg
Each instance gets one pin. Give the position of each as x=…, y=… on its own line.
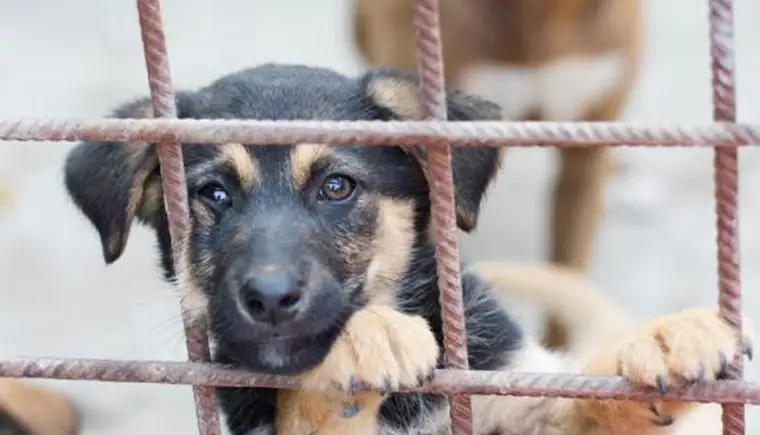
x=576, y=213
x=578, y=201
x=379, y=347
x=694, y=345
x=578, y=204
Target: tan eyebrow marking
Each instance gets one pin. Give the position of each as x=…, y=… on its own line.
x=302, y=158
x=242, y=162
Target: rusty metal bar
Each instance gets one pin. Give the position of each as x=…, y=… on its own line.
x=438, y=136
x=445, y=382
x=726, y=179
x=175, y=199
x=425, y=20
x=431, y=133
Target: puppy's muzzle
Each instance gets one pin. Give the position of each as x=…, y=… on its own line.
x=272, y=294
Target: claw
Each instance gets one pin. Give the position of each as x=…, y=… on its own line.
x=662, y=384
x=701, y=378
x=659, y=419
x=421, y=379
x=653, y=409
x=351, y=409
x=663, y=421
x=430, y=376
x=387, y=386
x=353, y=385
x=723, y=365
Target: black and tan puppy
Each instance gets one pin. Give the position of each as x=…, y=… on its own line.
x=316, y=261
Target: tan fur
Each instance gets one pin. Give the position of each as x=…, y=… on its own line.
x=605, y=340
x=137, y=199
x=681, y=345
x=530, y=34
x=237, y=157
x=392, y=246
x=152, y=199
x=202, y=214
x=42, y=410
x=142, y=198
x=302, y=158
x=379, y=347
x=403, y=96
x=203, y=266
x=564, y=294
x=194, y=301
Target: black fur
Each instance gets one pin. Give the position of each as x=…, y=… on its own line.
x=275, y=223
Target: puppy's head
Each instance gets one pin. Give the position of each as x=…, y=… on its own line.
x=286, y=242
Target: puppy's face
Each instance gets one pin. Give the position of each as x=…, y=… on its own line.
x=286, y=242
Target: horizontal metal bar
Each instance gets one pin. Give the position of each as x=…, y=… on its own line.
x=431, y=133
x=445, y=382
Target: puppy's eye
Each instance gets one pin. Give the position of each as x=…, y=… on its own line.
x=337, y=188
x=216, y=195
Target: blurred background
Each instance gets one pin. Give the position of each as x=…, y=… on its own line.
x=656, y=249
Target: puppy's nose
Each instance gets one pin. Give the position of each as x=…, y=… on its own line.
x=273, y=297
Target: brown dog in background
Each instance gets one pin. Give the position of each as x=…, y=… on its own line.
x=543, y=60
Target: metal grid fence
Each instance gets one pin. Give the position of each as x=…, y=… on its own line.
x=725, y=135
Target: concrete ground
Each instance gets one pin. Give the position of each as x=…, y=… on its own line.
x=656, y=249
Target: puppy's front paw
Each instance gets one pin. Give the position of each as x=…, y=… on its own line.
x=381, y=348
x=692, y=346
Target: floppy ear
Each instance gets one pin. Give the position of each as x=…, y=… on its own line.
x=396, y=94
x=113, y=182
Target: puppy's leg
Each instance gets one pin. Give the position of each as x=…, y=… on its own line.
x=379, y=347
x=694, y=345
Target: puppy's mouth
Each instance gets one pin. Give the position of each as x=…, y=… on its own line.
x=281, y=352
x=285, y=349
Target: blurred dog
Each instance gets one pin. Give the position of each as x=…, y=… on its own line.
x=544, y=60
x=317, y=261
x=28, y=409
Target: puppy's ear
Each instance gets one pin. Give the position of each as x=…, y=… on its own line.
x=113, y=182
x=396, y=94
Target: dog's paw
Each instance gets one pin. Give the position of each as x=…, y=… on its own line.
x=380, y=348
x=693, y=346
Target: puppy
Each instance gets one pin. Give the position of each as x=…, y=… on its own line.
x=317, y=261
x=28, y=409
x=542, y=60
x=592, y=320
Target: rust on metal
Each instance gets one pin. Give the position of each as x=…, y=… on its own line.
x=725, y=135
x=726, y=180
x=446, y=381
x=427, y=133
x=175, y=198
x=429, y=56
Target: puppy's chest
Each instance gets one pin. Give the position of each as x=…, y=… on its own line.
x=563, y=89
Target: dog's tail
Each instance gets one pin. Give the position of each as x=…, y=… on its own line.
x=582, y=308
x=28, y=408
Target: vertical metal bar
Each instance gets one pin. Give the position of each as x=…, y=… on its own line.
x=433, y=95
x=175, y=197
x=726, y=178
